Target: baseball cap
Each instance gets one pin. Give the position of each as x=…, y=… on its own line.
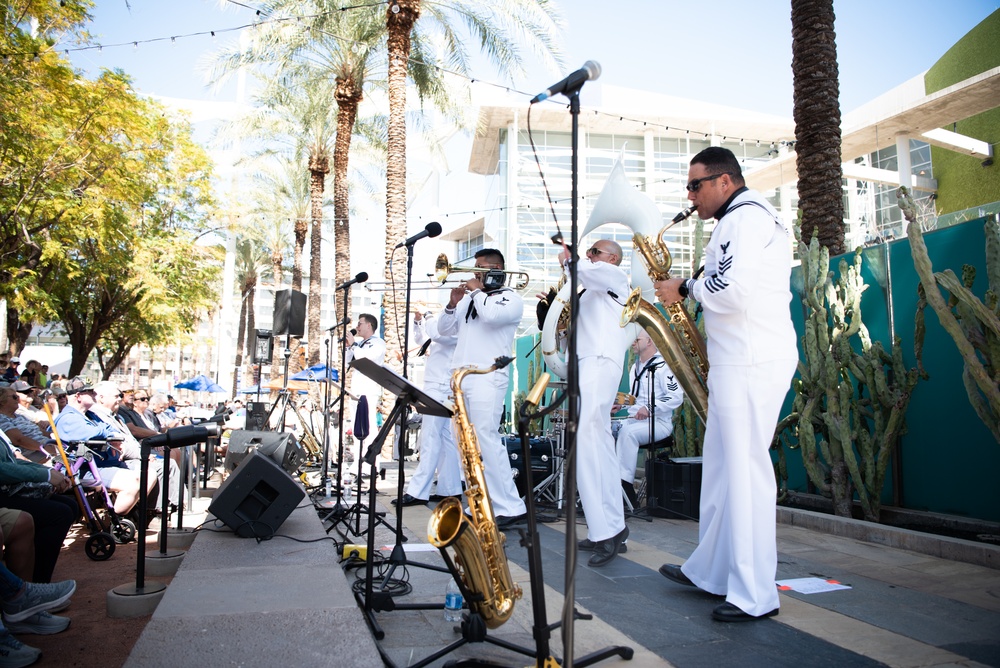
x=15, y=360
x=78, y=384
x=22, y=386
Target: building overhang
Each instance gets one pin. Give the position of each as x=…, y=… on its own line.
x=972, y=96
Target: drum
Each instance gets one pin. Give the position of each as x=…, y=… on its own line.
x=542, y=456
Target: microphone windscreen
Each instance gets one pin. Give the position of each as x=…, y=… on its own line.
x=593, y=69
x=361, y=277
x=433, y=229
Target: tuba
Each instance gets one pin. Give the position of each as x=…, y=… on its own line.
x=681, y=344
x=618, y=203
x=477, y=543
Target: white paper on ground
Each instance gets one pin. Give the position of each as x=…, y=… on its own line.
x=811, y=585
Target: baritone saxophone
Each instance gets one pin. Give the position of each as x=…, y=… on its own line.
x=679, y=340
x=476, y=543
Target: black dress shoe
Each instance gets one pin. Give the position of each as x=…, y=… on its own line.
x=727, y=612
x=408, y=500
x=672, y=572
x=606, y=550
x=506, y=522
x=587, y=545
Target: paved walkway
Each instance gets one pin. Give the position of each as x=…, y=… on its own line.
x=238, y=602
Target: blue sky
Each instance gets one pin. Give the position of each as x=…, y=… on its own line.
x=731, y=52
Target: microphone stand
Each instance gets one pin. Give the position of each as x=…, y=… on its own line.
x=572, y=382
x=573, y=395
x=338, y=510
x=398, y=556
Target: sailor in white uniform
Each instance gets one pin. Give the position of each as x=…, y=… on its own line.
x=484, y=316
x=601, y=344
x=366, y=344
x=437, y=441
x=657, y=395
x=752, y=356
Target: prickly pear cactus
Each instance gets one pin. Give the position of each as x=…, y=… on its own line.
x=973, y=324
x=850, y=394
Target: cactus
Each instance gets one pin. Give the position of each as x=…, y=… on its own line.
x=850, y=396
x=974, y=325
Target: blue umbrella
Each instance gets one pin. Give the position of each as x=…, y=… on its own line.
x=317, y=372
x=200, y=383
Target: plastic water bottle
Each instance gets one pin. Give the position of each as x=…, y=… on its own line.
x=452, y=602
x=347, y=493
x=329, y=487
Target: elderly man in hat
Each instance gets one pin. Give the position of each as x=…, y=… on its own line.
x=77, y=422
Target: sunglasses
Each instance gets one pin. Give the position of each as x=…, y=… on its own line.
x=142, y=398
x=594, y=252
x=696, y=183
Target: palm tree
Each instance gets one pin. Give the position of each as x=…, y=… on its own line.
x=252, y=261
x=817, y=122
x=338, y=43
x=499, y=27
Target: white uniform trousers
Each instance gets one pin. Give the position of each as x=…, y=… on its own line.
x=737, y=554
x=597, y=468
x=437, y=452
x=631, y=435
x=484, y=399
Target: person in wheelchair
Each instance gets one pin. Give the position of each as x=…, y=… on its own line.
x=77, y=423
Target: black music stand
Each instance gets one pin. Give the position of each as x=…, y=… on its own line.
x=407, y=394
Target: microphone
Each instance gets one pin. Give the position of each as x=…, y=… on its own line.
x=360, y=278
x=591, y=70
x=353, y=333
x=432, y=230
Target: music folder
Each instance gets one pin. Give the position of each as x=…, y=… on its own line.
x=392, y=381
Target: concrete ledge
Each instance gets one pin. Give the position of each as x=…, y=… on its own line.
x=236, y=601
x=954, y=549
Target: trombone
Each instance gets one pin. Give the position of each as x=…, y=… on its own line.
x=516, y=280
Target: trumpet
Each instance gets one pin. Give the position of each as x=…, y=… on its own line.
x=517, y=280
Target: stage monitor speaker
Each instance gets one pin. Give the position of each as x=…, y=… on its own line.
x=673, y=487
x=281, y=448
x=289, y=313
x=256, y=416
x=256, y=498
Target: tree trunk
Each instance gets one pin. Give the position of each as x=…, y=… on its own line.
x=400, y=24
x=17, y=331
x=251, y=332
x=319, y=167
x=241, y=334
x=817, y=122
x=348, y=95
x=301, y=231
